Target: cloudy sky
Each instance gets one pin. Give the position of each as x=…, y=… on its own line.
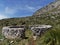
x=20, y=8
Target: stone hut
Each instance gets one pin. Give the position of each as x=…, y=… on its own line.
x=12, y=32
x=39, y=29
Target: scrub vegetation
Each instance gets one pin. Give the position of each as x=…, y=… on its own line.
x=51, y=37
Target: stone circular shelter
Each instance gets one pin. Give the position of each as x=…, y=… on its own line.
x=39, y=29
x=12, y=32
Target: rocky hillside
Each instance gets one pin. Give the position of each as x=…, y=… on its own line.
x=52, y=8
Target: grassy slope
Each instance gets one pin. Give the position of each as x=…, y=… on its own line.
x=51, y=37
x=43, y=19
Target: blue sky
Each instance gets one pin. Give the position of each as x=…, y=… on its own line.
x=20, y=8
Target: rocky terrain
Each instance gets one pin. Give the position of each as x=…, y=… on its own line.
x=53, y=8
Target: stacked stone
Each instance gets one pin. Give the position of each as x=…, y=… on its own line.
x=12, y=32
x=38, y=30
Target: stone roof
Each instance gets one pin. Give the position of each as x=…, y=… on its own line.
x=13, y=27
x=41, y=26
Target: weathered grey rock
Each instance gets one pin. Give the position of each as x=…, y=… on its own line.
x=52, y=8
x=38, y=30
x=12, y=32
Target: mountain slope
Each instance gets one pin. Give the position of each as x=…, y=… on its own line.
x=51, y=8
x=49, y=14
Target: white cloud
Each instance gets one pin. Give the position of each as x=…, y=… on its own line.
x=13, y=10
x=10, y=10
x=33, y=9
x=3, y=16
x=29, y=8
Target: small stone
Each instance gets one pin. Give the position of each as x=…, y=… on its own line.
x=11, y=41
x=1, y=39
x=34, y=37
